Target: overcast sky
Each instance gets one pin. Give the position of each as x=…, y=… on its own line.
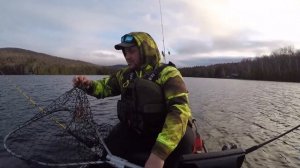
x=196, y=32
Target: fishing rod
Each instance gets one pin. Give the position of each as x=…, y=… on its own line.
x=255, y=147
x=162, y=32
x=231, y=157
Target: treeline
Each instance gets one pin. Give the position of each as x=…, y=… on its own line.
x=281, y=65
x=21, y=62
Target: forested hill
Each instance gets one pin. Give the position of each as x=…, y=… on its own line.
x=21, y=61
x=281, y=65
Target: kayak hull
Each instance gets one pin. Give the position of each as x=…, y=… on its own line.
x=232, y=158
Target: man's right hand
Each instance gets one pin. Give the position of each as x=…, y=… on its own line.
x=81, y=82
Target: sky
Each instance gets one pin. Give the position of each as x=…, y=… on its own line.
x=196, y=32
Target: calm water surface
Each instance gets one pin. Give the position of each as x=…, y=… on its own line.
x=242, y=112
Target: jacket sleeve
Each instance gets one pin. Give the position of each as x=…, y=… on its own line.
x=179, y=112
x=105, y=87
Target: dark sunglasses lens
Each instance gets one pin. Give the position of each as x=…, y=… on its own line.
x=127, y=38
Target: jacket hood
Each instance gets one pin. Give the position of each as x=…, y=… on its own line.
x=148, y=49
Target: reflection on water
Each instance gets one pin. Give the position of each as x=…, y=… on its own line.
x=243, y=112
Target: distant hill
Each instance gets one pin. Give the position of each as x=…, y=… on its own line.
x=21, y=61
x=117, y=67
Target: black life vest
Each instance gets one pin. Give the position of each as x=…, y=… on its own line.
x=142, y=106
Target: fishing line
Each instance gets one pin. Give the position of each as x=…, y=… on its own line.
x=32, y=102
x=42, y=110
x=38, y=141
x=73, y=139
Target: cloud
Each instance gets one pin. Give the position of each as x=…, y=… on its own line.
x=224, y=45
x=102, y=57
x=207, y=28
x=192, y=29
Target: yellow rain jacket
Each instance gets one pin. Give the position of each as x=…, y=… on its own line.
x=174, y=90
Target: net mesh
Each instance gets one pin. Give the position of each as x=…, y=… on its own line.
x=62, y=133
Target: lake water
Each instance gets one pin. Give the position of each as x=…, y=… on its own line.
x=243, y=112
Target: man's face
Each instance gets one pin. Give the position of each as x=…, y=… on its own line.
x=132, y=56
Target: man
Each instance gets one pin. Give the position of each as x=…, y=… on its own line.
x=154, y=112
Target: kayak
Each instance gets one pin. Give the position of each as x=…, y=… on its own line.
x=231, y=158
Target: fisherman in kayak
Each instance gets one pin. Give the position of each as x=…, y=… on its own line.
x=153, y=111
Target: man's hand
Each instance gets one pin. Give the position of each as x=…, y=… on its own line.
x=154, y=162
x=81, y=82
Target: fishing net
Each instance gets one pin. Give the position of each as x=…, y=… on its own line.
x=62, y=134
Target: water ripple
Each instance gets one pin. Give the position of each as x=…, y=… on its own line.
x=243, y=112
x=249, y=113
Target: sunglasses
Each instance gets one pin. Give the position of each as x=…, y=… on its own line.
x=127, y=38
